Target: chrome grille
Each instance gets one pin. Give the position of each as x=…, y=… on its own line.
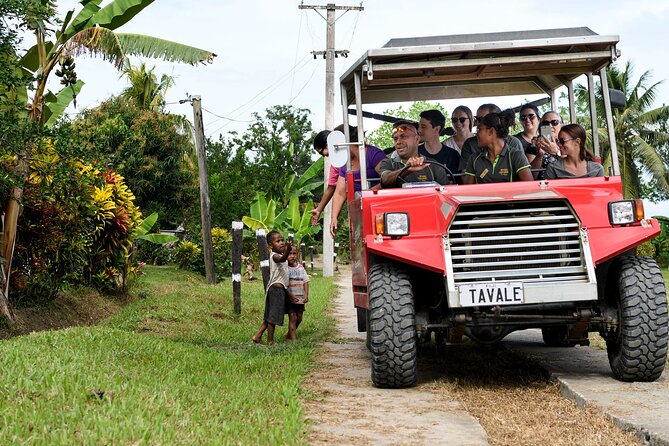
x=532, y=241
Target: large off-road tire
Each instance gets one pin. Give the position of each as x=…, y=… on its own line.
x=637, y=349
x=368, y=335
x=391, y=327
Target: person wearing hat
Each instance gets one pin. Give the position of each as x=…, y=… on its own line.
x=411, y=167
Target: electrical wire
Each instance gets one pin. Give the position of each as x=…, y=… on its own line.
x=355, y=26
x=264, y=93
x=305, y=84
x=223, y=117
x=297, y=47
x=278, y=81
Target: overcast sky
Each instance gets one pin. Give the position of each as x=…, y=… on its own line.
x=264, y=46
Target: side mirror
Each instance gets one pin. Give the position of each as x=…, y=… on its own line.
x=617, y=98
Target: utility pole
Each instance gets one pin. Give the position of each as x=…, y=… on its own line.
x=210, y=272
x=329, y=54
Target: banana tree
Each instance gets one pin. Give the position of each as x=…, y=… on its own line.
x=90, y=31
x=263, y=214
x=298, y=223
x=290, y=220
x=142, y=233
x=311, y=179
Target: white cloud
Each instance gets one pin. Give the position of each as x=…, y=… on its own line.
x=258, y=41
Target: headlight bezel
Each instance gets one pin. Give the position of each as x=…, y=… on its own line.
x=625, y=212
x=393, y=224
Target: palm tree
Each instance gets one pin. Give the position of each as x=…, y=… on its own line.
x=640, y=130
x=144, y=91
x=91, y=31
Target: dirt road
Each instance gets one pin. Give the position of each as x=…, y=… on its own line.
x=347, y=409
x=509, y=393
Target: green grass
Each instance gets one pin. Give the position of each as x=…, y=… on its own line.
x=175, y=368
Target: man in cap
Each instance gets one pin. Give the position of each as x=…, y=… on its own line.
x=411, y=167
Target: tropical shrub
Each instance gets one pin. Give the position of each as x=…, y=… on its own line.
x=222, y=244
x=186, y=254
x=77, y=226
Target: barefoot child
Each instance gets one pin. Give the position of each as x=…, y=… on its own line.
x=298, y=292
x=276, y=294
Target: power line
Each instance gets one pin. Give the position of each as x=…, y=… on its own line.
x=297, y=47
x=355, y=26
x=264, y=93
x=305, y=84
x=223, y=117
x=281, y=79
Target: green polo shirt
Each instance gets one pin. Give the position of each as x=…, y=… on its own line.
x=505, y=167
x=429, y=173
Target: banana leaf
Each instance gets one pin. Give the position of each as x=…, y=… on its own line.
x=118, y=13
x=55, y=105
x=253, y=224
x=159, y=239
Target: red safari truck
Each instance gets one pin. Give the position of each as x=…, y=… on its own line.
x=488, y=259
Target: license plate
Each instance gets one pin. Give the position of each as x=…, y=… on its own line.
x=491, y=293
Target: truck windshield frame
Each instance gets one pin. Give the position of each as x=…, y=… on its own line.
x=483, y=65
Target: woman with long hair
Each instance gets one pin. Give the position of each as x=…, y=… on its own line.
x=577, y=161
x=462, y=123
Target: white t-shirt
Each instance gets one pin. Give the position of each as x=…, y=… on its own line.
x=450, y=142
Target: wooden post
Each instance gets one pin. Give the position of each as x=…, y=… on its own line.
x=204, y=190
x=263, y=255
x=311, y=256
x=303, y=249
x=237, y=227
x=334, y=256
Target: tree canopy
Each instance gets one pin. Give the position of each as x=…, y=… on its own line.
x=640, y=131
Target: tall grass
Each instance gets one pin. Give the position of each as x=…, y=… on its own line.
x=175, y=368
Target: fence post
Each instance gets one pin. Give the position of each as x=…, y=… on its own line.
x=237, y=227
x=303, y=249
x=334, y=256
x=263, y=255
x=311, y=257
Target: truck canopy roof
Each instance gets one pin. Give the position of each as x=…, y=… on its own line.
x=478, y=65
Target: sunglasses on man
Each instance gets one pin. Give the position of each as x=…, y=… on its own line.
x=404, y=128
x=552, y=122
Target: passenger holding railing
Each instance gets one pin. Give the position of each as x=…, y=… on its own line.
x=500, y=158
x=373, y=158
x=577, y=161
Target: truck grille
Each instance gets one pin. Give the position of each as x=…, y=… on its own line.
x=531, y=241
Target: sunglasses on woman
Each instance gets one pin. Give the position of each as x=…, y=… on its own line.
x=461, y=120
x=552, y=122
x=528, y=117
x=561, y=141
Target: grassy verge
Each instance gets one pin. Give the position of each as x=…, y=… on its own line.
x=175, y=368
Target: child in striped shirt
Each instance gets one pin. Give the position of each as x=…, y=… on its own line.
x=298, y=292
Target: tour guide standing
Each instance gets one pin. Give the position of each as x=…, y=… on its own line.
x=405, y=138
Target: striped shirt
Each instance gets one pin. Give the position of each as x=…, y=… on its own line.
x=297, y=277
